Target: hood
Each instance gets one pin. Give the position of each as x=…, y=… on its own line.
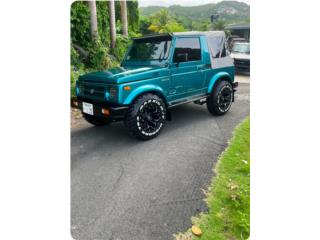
x=237, y=55
x=122, y=74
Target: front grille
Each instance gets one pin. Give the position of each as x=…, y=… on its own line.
x=241, y=62
x=92, y=90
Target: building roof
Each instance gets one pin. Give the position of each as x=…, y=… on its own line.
x=238, y=26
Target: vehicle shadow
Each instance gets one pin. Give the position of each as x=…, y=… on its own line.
x=113, y=143
x=90, y=142
x=183, y=115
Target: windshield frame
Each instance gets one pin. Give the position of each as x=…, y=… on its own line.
x=148, y=62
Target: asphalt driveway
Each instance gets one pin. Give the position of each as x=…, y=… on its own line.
x=122, y=188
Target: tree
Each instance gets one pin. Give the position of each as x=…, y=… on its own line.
x=219, y=25
x=144, y=24
x=112, y=22
x=80, y=24
x=133, y=15
x=204, y=25
x=124, y=18
x=162, y=22
x=93, y=20
x=160, y=19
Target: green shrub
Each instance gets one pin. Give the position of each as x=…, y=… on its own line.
x=75, y=59
x=122, y=44
x=144, y=24
x=74, y=75
x=99, y=58
x=80, y=24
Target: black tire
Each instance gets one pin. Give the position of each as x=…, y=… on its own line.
x=220, y=99
x=146, y=116
x=95, y=120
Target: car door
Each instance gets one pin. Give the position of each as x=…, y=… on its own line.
x=186, y=74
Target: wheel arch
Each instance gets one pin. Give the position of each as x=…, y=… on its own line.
x=217, y=78
x=145, y=90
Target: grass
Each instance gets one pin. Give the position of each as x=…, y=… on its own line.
x=228, y=196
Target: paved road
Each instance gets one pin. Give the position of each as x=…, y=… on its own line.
x=126, y=189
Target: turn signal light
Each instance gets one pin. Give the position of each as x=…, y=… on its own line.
x=105, y=111
x=127, y=88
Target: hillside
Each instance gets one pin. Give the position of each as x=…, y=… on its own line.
x=229, y=11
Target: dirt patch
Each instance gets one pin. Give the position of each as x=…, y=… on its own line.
x=76, y=119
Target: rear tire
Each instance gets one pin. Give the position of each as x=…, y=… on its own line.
x=146, y=116
x=96, y=121
x=220, y=99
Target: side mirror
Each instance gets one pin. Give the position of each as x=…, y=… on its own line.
x=181, y=57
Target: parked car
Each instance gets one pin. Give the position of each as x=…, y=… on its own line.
x=241, y=56
x=233, y=39
x=160, y=72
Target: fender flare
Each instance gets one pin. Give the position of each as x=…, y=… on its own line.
x=216, y=77
x=144, y=89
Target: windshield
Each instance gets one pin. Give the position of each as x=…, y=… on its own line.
x=241, y=48
x=149, y=49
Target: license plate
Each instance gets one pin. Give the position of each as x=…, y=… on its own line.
x=87, y=108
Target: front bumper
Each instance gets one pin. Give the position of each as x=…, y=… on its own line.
x=115, y=113
x=242, y=65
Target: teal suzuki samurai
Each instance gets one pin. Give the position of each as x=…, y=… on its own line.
x=159, y=72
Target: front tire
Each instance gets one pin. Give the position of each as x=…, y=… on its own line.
x=95, y=120
x=146, y=116
x=220, y=99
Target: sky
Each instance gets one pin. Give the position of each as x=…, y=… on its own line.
x=143, y=3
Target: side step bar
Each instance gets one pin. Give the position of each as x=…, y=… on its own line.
x=198, y=100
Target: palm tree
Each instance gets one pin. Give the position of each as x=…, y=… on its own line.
x=112, y=23
x=162, y=22
x=124, y=18
x=219, y=25
x=93, y=20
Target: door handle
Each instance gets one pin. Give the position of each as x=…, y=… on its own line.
x=200, y=67
x=203, y=67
